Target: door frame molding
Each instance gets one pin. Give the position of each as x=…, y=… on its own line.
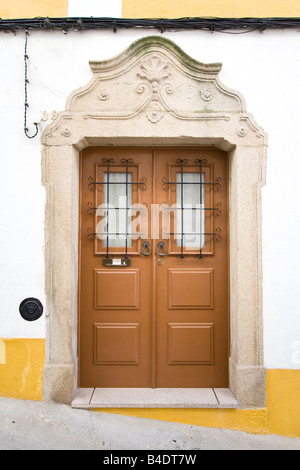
x=156, y=110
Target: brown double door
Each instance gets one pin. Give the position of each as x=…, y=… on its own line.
x=153, y=271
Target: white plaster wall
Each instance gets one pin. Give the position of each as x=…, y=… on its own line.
x=263, y=67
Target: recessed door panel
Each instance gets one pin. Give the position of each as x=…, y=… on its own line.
x=190, y=288
x=190, y=343
x=116, y=343
x=117, y=289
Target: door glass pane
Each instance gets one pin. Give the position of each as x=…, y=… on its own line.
x=191, y=198
x=115, y=218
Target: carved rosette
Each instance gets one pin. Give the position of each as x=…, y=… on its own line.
x=206, y=95
x=155, y=112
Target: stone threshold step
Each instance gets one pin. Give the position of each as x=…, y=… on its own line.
x=93, y=398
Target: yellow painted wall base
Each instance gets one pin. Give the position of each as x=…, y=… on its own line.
x=251, y=421
x=21, y=375
x=281, y=415
x=283, y=402
x=21, y=368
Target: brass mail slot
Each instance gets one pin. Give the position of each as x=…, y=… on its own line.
x=116, y=262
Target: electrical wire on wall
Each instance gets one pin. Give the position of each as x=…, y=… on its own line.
x=229, y=25
x=26, y=105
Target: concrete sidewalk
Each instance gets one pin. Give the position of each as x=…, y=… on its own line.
x=28, y=425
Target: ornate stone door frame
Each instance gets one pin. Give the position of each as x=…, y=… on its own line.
x=153, y=94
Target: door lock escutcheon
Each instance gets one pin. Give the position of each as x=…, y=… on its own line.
x=161, y=250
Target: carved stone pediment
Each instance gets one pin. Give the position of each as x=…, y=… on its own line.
x=152, y=80
x=155, y=81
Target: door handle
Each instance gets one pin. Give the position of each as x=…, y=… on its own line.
x=161, y=246
x=146, y=246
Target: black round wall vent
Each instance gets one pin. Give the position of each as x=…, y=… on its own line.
x=31, y=309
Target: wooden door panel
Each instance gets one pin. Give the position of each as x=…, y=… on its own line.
x=154, y=321
x=192, y=281
x=116, y=343
x=115, y=302
x=190, y=343
x=190, y=288
x=116, y=289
